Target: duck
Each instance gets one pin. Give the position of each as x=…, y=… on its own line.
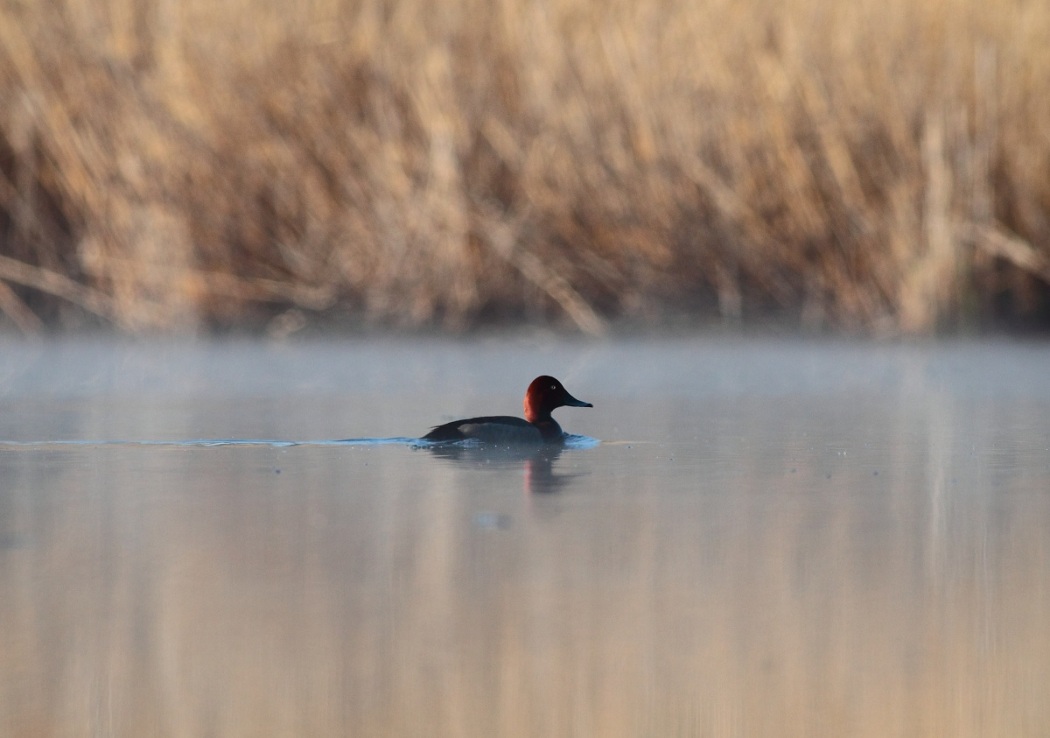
x=544, y=395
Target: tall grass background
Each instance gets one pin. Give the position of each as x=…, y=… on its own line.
x=179, y=165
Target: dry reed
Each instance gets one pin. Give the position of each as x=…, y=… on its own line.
x=874, y=167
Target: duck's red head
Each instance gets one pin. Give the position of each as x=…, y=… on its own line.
x=543, y=395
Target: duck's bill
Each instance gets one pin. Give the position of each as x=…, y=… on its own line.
x=573, y=402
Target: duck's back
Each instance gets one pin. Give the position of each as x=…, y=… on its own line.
x=503, y=429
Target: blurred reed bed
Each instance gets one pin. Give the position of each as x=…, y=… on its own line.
x=878, y=167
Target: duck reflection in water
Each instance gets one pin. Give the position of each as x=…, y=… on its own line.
x=537, y=462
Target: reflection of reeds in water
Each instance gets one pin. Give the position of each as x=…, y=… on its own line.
x=341, y=598
x=875, y=166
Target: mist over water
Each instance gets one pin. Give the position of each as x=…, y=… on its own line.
x=772, y=537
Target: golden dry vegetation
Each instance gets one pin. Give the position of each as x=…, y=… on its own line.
x=878, y=167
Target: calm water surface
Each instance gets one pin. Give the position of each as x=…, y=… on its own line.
x=773, y=538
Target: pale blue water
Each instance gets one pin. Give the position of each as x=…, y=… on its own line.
x=767, y=537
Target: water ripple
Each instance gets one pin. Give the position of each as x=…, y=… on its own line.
x=571, y=442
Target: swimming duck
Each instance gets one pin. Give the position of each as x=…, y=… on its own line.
x=543, y=395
